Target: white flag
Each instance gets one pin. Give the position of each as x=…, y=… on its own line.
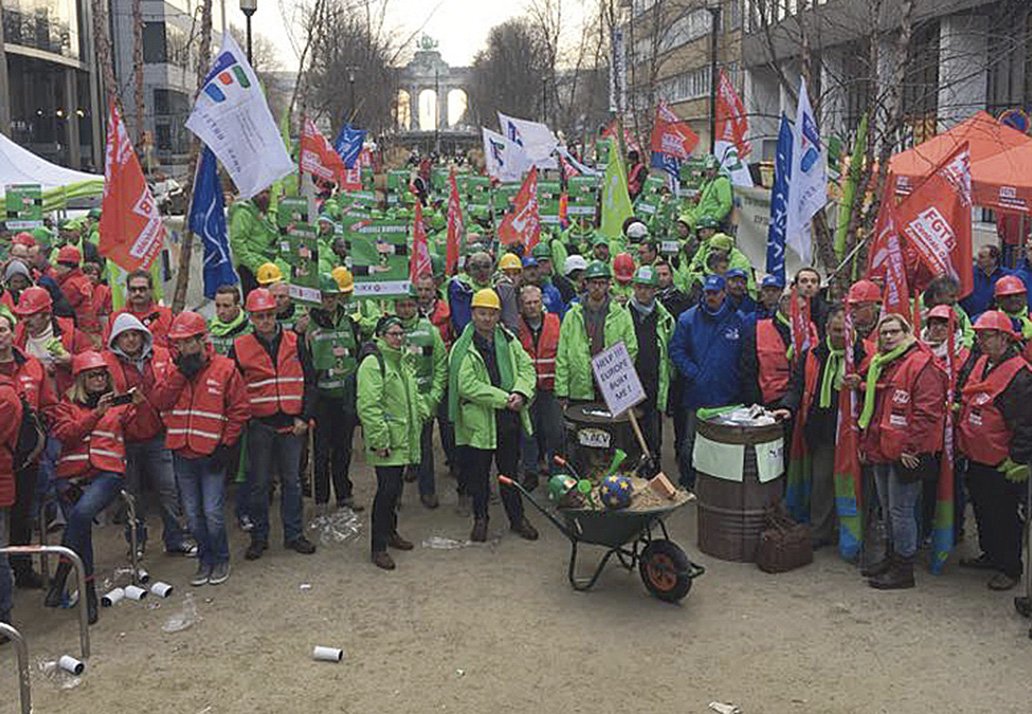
x=506, y=160
x=808, y=185
x=536, y=139
x=232, y=117
x=731, y=162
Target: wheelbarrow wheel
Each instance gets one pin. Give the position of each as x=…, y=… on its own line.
x=665, y=570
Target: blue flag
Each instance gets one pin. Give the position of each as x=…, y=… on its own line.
x=208, y=220
x=349, y=144
x=779, y=201
x=671, y=165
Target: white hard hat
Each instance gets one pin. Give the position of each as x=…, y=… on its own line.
x=574, y=262
x=637, y=231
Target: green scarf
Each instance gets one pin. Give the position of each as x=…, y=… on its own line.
x=878, y=363
x=834, y=371
x=790, y=352
x=219, y=328
x=458, y=353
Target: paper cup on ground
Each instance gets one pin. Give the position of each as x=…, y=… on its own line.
x=327, y=654
x=142, y=575
x=70, y=664
x=112, y=597
x=134, y=593
x=161, y=589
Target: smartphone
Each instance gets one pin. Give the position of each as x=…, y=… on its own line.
x=126, y=398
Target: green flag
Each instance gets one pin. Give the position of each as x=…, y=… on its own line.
x=616, y=202
x=849, y=189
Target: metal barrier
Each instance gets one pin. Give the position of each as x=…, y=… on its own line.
x=23, y=665
x=80, y=573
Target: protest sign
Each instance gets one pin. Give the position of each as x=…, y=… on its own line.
x=548, y=193
x=24, y=204
x=617, y=379
x=380, y=257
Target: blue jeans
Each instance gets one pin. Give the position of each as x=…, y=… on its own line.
x=150, y=463
x=202, y=485
x=6, y=581
x=547, y=419
x=97, y=494
x=898, y=502
x=270, y=451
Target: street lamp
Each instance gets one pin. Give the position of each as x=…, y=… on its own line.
x=713, y=7
x=249, y=7
x=351, y=91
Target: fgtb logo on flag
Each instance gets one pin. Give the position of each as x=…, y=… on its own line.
x=523, y=225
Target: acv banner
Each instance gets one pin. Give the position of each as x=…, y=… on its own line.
x=380, y=257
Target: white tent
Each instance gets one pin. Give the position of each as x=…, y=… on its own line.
x=19, y=165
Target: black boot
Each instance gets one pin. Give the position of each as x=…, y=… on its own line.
x=899, y=576
x=879, y=567
x=57, y=585
x=92, y=613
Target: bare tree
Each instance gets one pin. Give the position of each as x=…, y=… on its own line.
x=508, y=73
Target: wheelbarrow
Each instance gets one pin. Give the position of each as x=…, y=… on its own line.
x=664, y=567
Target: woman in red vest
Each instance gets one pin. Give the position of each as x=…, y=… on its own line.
x=91, y=430
x=902, y=423
x=12, y=407
x=994, y=431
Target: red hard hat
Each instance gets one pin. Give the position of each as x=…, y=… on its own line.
x=85, y=361
x=24, y=239
x=863, y=291
x=260, y=300
x=1009, y=285
x=69, y=254
x=623, y=267
x=995, y=320
x=941, y=312
x=33, y=300
x=187, y=324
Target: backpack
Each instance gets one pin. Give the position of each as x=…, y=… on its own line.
x=370, y=348
x=31, y=437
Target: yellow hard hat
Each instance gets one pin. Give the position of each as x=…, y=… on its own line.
x=487, y=298
x=510, y=261
x=345, y=280
x=268, y=273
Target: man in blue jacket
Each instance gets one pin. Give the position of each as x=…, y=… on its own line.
x=987, y=271
x=706, y=348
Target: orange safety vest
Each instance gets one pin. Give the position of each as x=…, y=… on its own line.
x=982, y=432
x=771, y=357
x=271, y=388
x=542, y=354
x=198, y=419
x=103, y=449
x=897, y=411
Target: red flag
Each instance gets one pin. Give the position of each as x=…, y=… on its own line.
x=897, y=289
x=523, y=225
x=455, y=227
x=671, y=135
x=732, y=125
x=419, y=263
x=936, y=220
x=564, y=210
x=131, y=231
x=351, y=179
x=613, y=130
x=318, y=157
x=803, y=333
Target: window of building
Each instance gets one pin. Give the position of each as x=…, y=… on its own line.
x=154, y=47
x=47, y=25
x=683, y=87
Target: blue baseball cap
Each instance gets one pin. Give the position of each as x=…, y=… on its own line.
x=735, y=273
x=530, y=262
x=713, y=284
x=772, y=281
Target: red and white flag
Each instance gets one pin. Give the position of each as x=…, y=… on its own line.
x=131, y=231
x=896, y=299
x=732, y=125
x=455, y=226
x=419, y=263
x=935, y=219
x=671, y=135
x=629, y=141
x=318, y=157
x=523, y=225
x=801, y=327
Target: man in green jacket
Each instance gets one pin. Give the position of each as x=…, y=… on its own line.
x=589, y=327
x=716, y=196
x=333, y=339
x=653, y=327
x=252, y=238
x=392, y=413
x=426, y=353
x=491, y=383
x=230, y=321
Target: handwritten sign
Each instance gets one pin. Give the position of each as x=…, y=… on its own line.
x=617, y=379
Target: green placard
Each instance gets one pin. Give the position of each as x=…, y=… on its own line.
x=583, y=191
x=24, y=203
x=304, y=259
x=548, y=195
x=379, y=251
x=650, y=199
x=291, y=210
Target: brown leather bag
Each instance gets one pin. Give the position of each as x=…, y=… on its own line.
x=784, y=544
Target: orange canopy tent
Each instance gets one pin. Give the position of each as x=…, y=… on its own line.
x=996, y=152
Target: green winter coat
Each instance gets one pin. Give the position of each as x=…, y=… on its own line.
x=224, y=333
x=252, y=236
x=389, y=408
x=665, y=325
x=476, y=399
x=714, y=201
x=573, y=375
x=426, y=353
x=686, y=277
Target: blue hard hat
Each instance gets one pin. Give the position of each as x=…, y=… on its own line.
x=735, y=273
x=772, y=281
x=713, y=284
x=530, y=262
